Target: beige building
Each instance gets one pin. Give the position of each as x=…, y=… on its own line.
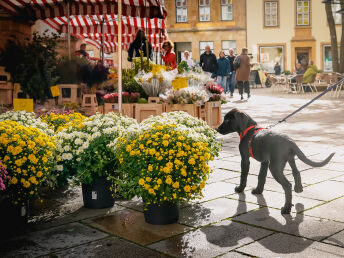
x=289, y=31
x=193, y=24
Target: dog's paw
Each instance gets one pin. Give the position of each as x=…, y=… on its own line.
x=298, y=188
x=257, y=191
x=286, y=210
x=239, y=189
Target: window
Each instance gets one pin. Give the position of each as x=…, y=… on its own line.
x=327, y=58
x=182, y=10
x=302, y=12
x=226, y=10
x=271, y=14
x=204, y=10
x=227, y=45
x=269, y=56
x=336, y=16
x=202, y=45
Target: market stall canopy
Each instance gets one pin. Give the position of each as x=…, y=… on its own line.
x=44, y=9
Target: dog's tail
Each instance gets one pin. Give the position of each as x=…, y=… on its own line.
x=309, y=162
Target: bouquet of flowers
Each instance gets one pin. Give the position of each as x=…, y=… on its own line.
x=58, y=120
x=4, y=178
x=214, y=88
x=28, y=156
x=27, y=119
x=164, y=161
x=189, y=95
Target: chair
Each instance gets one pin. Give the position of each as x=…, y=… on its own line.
x=296, y=87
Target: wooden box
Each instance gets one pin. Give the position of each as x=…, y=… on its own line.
x=212, y=113
x=143, y=111
x=127, y=109
x=191, y=109
x=70, y=93
x=6, y=88
x=89, y=104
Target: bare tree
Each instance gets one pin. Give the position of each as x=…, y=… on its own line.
x=333, y=34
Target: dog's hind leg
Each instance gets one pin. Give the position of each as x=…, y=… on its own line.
x=276, y=168
x=261, y=177
x=296, y=174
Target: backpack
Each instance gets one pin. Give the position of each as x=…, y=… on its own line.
x=236, y=63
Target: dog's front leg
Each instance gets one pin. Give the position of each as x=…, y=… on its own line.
x=245, y=167
x=261, y=177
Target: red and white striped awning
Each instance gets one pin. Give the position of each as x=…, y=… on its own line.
x=43, y=9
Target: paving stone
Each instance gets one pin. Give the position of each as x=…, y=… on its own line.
x=131, y=225
x=234, y=254
x=325, y=191
x=331, y=210
x=316, y=175
x=339, y=179
x=299, y=225
x=213, y=191
x=221, y=175
x=108, y=248
x=336, y=239
x=210, y=241
x=281, y=245
x=205, y=213
x=276, y=200
x=135, y=203
x=49, y=240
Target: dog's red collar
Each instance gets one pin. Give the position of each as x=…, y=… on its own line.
x=242, y=135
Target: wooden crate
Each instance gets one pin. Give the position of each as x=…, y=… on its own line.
x=100, y=109
x=89, y=104
x=6, y=87
x=212, y=113
x=191, y=109
x=70, y=93
x=143, y=111
x=127, y=109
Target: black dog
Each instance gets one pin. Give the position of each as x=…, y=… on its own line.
x=272, y=149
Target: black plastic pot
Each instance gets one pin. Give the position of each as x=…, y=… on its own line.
x=161, y=214
x=97, y=195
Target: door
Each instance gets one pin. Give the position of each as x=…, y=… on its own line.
x=303, y=56
x=180, y=47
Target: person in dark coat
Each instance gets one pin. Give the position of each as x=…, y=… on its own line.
x=277, y=69
x=223, y=70
x=208, y=61
x=231, y=81
x=139, y=44
x=242, y=75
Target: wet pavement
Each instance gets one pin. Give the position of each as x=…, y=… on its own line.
x=222, y=223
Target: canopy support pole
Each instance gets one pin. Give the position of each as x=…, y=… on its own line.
x=119, y=56
x=102, y=40
x=68, y=31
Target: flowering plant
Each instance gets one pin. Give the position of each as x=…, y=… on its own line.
x=59, y=120
x=27, y=119
x=214, y=88
x=28, y=156
x=4, y=178
x=127, y=97
x=164, y=161
x=190, y=95
x=84, y=149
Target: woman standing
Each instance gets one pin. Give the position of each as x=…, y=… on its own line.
x=223, y=70
x=140, y=44
x=168, y=56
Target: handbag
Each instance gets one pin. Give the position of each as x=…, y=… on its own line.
x=236, y=63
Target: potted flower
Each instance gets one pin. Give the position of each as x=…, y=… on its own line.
x=4, y=178
x=28, y=157
x=166, y=163
x=58, y=120
x=85, y=150
x=128, y=98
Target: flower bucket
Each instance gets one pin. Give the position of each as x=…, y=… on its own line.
x=97, y=195
x=14, y=217
x=161, y=214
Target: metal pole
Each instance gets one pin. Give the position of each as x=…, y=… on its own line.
x=119, y=15
x=68, y=30
x=102, y=39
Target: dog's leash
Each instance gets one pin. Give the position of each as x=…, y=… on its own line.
x=308, y=103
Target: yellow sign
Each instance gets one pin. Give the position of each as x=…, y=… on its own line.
x=179, y=83
x=55, y=91
x=23, y=104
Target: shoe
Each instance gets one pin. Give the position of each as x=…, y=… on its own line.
x=242, y=97
x=231, y=95
x=248, y=96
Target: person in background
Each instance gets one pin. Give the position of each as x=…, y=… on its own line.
x=231, y=81
x=277, y=69
x=311, y=72
x=167, y=55
x=208, y=61
x=188, y=60
x=242, y=62
x=223, y=70
x=140, y=43
x=298, y=70
x=82, y=51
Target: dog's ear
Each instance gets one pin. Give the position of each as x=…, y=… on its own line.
x=241, y=120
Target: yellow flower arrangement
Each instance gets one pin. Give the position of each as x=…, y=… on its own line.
x=27, y=155
x=58, y=121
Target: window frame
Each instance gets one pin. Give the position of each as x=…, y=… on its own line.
x=204, y=6
x=283, y=46
x=186, y=8
x=303, y=13
x=277, y=13
x=223, y=49
x=207, y=42
x=225, y=5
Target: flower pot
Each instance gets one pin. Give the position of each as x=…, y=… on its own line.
x=162, y=214
x=97, y=195
x=13, y=217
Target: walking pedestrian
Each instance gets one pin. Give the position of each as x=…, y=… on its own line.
x=231, y=81
x=242, y=66
x=223, y=70
x=208, y=61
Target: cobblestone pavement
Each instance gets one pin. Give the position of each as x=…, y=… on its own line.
x=223, y=223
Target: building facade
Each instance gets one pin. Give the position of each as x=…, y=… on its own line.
x=290, y=32
x=193, y=24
